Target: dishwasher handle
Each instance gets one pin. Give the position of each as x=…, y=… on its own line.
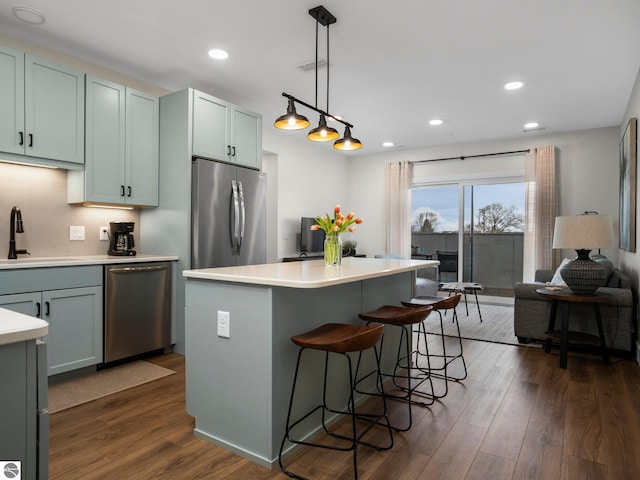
x=150, y=268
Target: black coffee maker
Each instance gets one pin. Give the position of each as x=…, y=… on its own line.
x=121, y=239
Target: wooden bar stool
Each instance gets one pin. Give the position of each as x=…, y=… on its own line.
x=338, y=339
x=406, y=382
x=439, y=370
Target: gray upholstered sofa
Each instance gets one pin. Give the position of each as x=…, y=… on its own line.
x=426, y=282
x=531, y=311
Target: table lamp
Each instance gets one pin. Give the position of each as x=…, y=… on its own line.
x=585, y=232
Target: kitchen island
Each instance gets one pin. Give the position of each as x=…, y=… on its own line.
x=238, y=387
x=24, y=436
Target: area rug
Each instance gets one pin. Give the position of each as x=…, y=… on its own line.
x=496, y=326
x=76, y=391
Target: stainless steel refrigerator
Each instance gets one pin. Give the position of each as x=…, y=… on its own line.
x=228, y=215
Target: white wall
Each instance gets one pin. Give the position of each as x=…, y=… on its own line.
x=587, y=175
x=312, y=179
x=630, y=261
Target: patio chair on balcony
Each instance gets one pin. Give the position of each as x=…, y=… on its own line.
x=448, y=265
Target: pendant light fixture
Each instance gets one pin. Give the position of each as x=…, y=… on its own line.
x=291, y=120
x=347, y=142
x=322, y=133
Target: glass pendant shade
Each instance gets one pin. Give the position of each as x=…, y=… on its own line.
x=291, y=120
x=347, y=142
x=323, y=133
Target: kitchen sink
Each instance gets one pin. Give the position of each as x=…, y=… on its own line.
x=36, y=260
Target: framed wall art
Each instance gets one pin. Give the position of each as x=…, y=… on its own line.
x=628, y=151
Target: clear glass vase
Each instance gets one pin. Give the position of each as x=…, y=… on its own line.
x=332, y=250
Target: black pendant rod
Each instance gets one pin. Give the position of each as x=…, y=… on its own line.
x=316, y=109
x=328, y=66
x=317, y=26
x=462, y=157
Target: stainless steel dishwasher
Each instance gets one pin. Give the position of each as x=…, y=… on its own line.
x=137, y=317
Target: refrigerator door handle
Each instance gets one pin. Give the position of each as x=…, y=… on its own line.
x=242, y=217
x=235, y=220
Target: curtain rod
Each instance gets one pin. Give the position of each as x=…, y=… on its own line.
x=462, y=157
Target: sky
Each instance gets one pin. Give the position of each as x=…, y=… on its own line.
x=444, y=201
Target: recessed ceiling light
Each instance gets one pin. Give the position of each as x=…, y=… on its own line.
x=28, y=15
x=387, y=144
x=435, y=122
x=218, y=54
x=513, y=85
x=531, y=125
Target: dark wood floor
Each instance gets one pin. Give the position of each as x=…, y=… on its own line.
x=517, y=416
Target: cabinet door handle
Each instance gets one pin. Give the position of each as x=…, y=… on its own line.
x=31, y=139
x=47, y=312
x=38, y=312
x=228, y=149
x=21, y=138
x=122, y=190
x=234, y=151
x=129, y=191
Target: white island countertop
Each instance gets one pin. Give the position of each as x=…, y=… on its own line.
x=309, y=274
x=72, y=261
x=16, y=327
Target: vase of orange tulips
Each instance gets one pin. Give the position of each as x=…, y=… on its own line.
x=333, y=227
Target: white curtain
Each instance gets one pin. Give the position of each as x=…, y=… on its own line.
x=397, y=213
x=541, y=209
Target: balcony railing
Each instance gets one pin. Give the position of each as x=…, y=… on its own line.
x=495, y=260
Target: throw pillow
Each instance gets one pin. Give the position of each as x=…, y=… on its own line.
x=606, y=263
x=557, y=278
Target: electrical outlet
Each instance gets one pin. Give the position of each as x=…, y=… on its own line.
x=104, y=233
x=76, y=233
x=223, y=324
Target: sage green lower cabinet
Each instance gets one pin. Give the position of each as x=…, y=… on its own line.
x=74, y=313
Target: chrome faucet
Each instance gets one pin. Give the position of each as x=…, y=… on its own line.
x=15, y=227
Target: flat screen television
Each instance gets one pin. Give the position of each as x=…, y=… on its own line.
x=311, y=241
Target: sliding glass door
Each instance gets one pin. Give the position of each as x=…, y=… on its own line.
x=493, y=235
x=488, y=248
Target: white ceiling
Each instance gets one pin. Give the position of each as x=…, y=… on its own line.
x=394, y=65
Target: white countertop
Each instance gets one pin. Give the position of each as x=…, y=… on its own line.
x=16, y=327
x=309, y=274
x=69, y=261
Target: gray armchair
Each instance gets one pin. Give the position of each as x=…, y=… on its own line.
x=426, y=278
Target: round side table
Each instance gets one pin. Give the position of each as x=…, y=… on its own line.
x=564, y=298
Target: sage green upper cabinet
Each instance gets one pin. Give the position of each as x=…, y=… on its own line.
x=42, y=114
x=142, y=141
x=11, y=100
x=223, y=131
x=122, y=128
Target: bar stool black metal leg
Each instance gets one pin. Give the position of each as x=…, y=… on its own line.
x=356, y=437
x=475, y=294
x=410, y=389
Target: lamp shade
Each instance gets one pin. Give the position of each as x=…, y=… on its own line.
x=583, y=232
x=323, y=133
x=291, y=120
x=347, y=142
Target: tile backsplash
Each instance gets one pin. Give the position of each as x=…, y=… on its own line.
x=41, y=195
